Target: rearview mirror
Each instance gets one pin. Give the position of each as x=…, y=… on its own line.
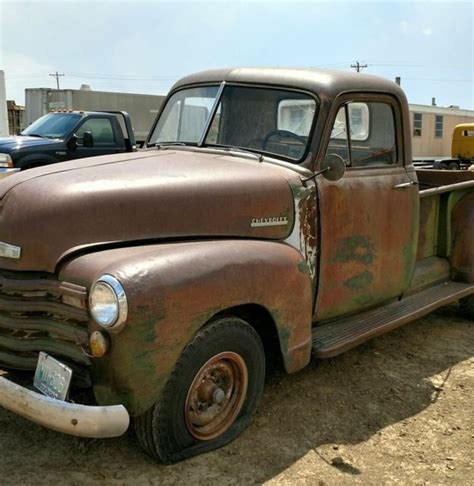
x=333, y=167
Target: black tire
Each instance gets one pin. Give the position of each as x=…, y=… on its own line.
x=164, y=431
x=467, y=307
x=453, y=166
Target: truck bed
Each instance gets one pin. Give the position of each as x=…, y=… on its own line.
x=429, y=178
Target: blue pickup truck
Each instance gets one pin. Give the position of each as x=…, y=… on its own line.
x=66, y=135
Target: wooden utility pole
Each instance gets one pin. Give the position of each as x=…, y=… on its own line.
x=57, y=75
x=358, y=66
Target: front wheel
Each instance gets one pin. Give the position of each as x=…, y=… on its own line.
x=211, y=395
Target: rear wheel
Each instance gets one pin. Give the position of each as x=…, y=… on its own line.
x=467, y=307
x=210, y=397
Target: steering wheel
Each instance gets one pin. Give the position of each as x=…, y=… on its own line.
x=282, y=134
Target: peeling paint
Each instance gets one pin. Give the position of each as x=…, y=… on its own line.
x=357, y=248
x=303, y=236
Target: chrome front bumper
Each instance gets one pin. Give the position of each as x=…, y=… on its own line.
x=65, y=417
x=6, y=172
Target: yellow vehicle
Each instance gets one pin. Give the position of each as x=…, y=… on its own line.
x=462, y=147
x=462, y=150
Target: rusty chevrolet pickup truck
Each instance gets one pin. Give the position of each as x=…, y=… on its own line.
x=274, y=216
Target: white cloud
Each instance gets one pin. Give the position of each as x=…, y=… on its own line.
x=404, y=26
x=427, y=31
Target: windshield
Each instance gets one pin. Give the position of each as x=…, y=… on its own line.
x=263, y=120
x=53, y=125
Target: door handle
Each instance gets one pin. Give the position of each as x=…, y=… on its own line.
x=405, y=185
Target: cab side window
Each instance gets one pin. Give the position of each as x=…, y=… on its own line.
x=364, y=134
x=101, y=129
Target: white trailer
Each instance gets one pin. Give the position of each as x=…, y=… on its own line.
x=142, y=108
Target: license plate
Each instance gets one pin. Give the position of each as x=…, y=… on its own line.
x=52, y=377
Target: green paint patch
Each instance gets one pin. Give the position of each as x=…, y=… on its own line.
x=303, y=267
x=357, y=248
x=364, y=300
x=359, y=282
x=409, y=262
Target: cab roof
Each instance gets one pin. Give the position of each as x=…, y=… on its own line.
x=322, y=82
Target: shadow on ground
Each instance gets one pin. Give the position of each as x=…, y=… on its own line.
x=344, y=400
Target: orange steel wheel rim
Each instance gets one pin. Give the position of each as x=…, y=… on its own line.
x=216, y=396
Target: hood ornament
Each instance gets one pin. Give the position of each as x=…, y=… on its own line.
x=10, y=251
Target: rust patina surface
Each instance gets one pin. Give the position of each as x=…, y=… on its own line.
x=370, y=257
x=157, y=195
x=172, y=291
x=462, y=237
x=183, y=229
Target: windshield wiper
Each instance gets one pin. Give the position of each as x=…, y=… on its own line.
x=233, y=148
x=33, y=135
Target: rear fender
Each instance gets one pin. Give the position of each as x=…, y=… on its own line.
x=175, y=289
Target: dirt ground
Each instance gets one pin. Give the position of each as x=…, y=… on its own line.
x=397, y=410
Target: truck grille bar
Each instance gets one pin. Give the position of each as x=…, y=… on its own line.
x=36, y=315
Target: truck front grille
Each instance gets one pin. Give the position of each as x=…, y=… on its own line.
x=35, y=315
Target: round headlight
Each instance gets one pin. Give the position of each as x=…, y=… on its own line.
x=108, y=302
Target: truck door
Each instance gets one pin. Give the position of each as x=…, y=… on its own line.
x=369, y=218
x=107, y=135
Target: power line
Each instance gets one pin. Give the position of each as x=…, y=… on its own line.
x=57, y=75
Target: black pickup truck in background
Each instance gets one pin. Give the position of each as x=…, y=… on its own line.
x=67, y=135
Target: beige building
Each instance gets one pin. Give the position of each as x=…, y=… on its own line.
x=432, y=129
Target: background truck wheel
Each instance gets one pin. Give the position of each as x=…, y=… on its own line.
x=467, y=307
x=453, y=166
x=210, y=397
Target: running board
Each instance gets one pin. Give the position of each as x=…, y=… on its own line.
x=348, y=332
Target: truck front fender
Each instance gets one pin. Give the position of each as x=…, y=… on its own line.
x=35, y=160
x=174, y=289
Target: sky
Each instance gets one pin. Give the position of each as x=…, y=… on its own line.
x=145, y=46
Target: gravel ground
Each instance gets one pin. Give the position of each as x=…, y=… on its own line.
x=397, y=410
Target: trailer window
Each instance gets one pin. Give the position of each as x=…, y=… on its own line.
x=417, y=124
x=439, y=126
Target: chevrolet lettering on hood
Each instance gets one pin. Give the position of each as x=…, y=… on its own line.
x=276, y=221
x=9, y=251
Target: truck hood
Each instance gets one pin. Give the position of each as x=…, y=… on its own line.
x=53, y=211
x=8, y=144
